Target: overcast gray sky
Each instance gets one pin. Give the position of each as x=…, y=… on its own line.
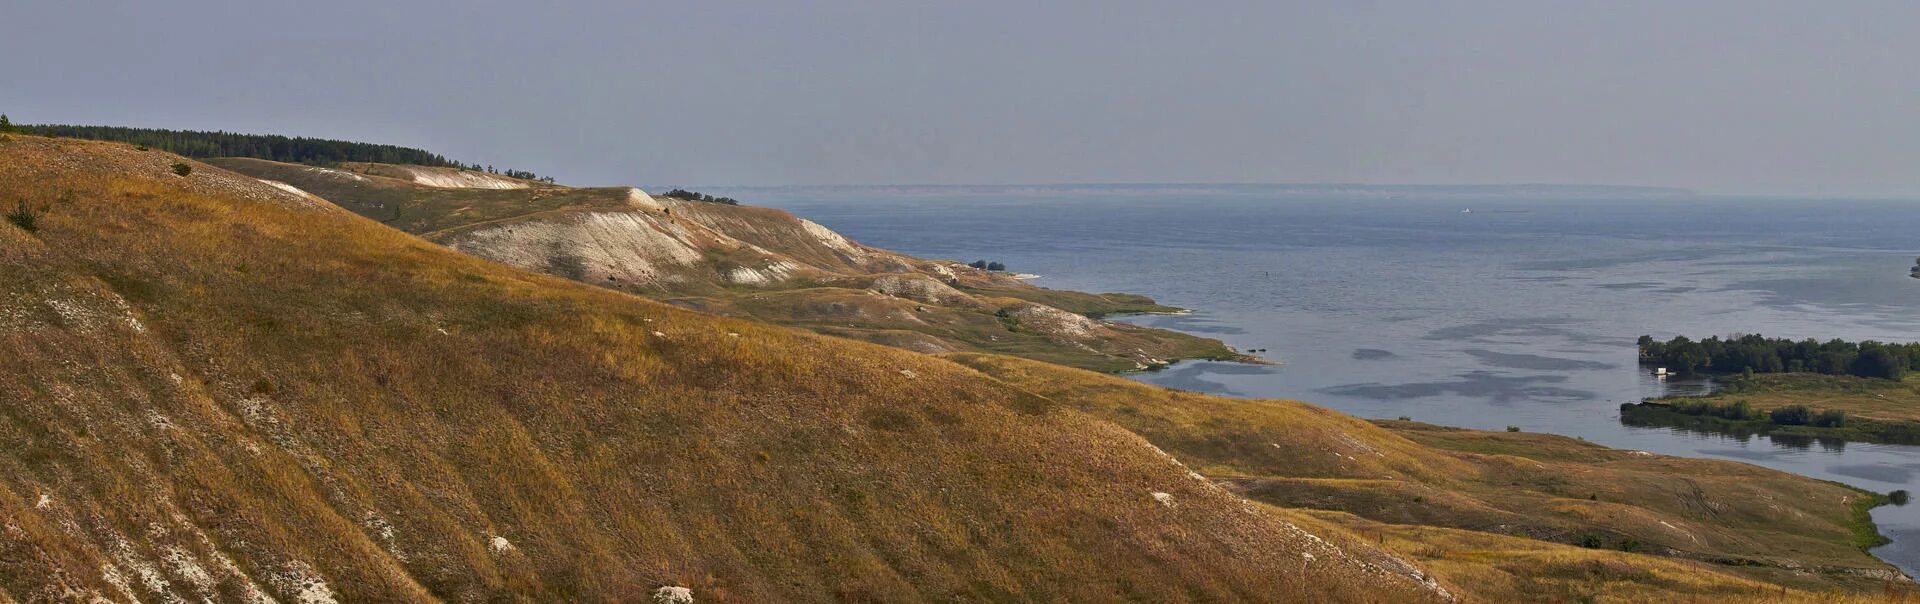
x=1728, y=96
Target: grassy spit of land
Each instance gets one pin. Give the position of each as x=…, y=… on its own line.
x=1795, y=404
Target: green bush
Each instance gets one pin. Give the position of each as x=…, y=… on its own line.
x=1792, y=415
x=1513, y=428
x=182, y=168
x=24, y=217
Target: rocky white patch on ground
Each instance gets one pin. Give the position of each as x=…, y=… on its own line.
x=293, y=189
x=834, y=241
x=673, y=594
x=630, y=246
x=461, y=179
x=1056, y=323
x=773, y=272
x=341, y=174
x=919, y=288
x=641, y=200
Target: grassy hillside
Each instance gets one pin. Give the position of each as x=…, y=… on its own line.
x=215, y=389
x=745, y=261
x=1745, y=520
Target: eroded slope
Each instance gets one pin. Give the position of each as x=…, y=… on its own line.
x=214, y=389
x=746, y=261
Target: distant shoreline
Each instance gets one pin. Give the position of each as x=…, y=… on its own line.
x=1526, y=191
x=1238, y=355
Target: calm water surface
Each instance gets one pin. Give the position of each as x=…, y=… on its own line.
x=1522, y=312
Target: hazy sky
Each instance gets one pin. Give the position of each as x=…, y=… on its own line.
x=1721, y=96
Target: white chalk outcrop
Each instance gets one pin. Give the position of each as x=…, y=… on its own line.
x=1056, y=323
x=835, y=241
x=919, y=288
x=768, y=274
x=590, y=246
x=447, y=178
x=294, y=190
x=640, y=200
x=336, y=174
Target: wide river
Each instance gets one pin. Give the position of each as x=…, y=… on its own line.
x=1388, y=302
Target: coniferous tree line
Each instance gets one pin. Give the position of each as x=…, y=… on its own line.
x=273, y=147
x=1759, y=354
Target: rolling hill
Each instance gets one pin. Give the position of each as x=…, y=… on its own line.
x=217, y=388
x=743, y=261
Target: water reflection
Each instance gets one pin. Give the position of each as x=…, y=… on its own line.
x=1499, y=389
x=1796, y=442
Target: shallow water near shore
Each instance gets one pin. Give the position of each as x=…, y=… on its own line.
x=1523, y=312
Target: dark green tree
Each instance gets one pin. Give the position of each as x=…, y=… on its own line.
x=1759, y=354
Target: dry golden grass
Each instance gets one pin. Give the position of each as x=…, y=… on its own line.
x=210, y=391
x=1499, y=568
x=972, y=325
x=1750, y=521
